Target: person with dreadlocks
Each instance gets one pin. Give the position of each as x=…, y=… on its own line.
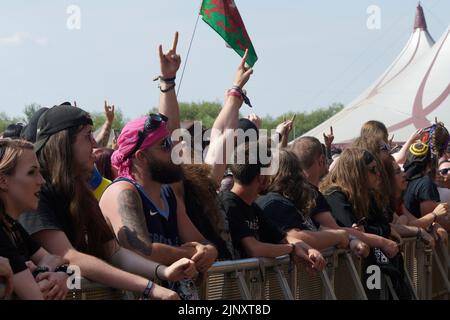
x=421, y=195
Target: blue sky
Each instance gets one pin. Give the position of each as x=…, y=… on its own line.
x=311, y=53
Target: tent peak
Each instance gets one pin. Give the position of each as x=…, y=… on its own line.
x=419, y=22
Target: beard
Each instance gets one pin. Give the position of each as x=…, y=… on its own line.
x=165, y=173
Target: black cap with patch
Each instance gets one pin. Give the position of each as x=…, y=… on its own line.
x=57, y=119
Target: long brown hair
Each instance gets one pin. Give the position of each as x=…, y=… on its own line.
x=200, y=189
x=58, y=168
x=290, y=182
x=373, y=145
x=350, y=177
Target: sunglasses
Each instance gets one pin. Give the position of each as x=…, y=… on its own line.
x=385, y=147
x=444, y=172
x=152, y=123
x=166, y=144
x=373, y=170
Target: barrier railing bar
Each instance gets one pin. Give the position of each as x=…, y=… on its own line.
x=245, y=292
x=355, y=277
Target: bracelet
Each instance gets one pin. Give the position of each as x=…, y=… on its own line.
x=166, y=80
x=147, y=290
x=39, y=269
x=156, y=273
x=234, y=93
x=434, y=216
x=244, y=96
x=172, y=87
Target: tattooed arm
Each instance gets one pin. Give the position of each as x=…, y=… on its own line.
x=122, y=207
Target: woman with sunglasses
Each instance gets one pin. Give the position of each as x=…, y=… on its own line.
x=351, y=191
x=443, y=180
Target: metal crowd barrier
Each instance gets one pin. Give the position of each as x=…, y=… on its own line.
x=427, y=271
x=94, y=291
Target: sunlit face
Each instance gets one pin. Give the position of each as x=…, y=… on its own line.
x=83, y=150
x=400, y=179
x=24, y=185
x=373, y=175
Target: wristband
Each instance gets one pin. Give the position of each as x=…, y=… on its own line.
x=39, y=269
x=156, y=272
x=147, y=290
x=434, y=216
x=352, y=237
x=166, y=80
x=234, y=93
x=172, y=87
x=244, y=96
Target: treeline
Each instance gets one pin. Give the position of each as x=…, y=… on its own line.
x=206, y=112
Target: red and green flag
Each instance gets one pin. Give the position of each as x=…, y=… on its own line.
x=223, y=16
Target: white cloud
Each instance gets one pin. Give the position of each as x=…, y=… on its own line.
x=20, y=38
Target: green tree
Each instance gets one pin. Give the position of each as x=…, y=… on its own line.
x=30, y=109
x=5, y=121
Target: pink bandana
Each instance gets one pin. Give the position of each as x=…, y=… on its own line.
x=127, y=141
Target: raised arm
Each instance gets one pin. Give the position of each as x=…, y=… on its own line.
x=170, y=62
x=103, y=137
x=226, y=122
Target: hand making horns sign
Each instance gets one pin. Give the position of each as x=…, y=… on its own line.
x=170, y=61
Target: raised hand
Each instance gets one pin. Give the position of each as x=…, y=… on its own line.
x=170, y=61
x=328, y=138
x=255, y=119
x=243, y=73
x=109, y=112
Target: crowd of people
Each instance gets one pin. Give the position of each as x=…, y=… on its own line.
x=129, y=216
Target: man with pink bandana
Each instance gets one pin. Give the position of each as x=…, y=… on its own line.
x=142, y=208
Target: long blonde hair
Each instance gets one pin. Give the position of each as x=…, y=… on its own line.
x=10, y=153
x=350, y=177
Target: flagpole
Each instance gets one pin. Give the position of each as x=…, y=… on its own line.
x=187, y=56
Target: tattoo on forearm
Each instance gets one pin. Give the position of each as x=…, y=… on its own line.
x=134, y=231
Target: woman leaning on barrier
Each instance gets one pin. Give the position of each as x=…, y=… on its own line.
x=290, y=200
x=351, y=189
x=20, y=184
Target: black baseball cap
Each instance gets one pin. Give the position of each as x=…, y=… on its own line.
x=57, y=119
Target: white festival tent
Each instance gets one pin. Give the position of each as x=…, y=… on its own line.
x=408, y=95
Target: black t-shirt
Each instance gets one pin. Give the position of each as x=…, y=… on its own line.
x=282, y=212
x=247, y=221
x=19, y=248
x=377, y=220
x=52, y=214
x=420, y=190
x=321, y=204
